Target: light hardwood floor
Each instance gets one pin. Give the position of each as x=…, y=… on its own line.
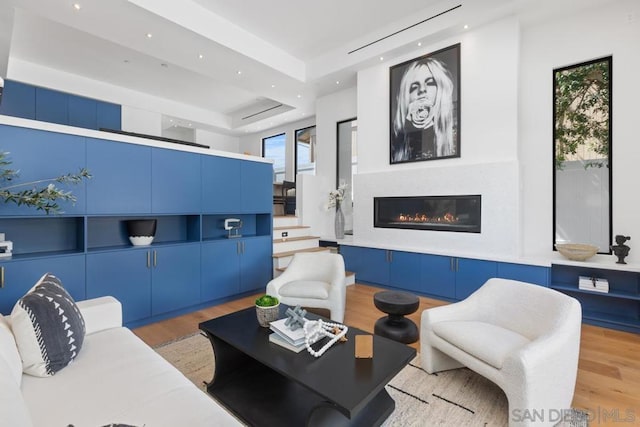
x=608, y=384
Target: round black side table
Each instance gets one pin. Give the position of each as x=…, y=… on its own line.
x=395, y=326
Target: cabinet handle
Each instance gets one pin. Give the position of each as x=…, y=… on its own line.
x=148, y=259
x=155, y=258
x=451, y=264
x=390, y=256
x=1, y=277
x=457, y=263
x=238, y=248
x=242, y=248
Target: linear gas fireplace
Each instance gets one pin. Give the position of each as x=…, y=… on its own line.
x=439, y=213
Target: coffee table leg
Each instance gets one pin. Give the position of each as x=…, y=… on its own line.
x=227, y=361
x=372, y=415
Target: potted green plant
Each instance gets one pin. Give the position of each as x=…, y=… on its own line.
x=267, y=310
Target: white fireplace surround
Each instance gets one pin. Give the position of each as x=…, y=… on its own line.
x=498, y=183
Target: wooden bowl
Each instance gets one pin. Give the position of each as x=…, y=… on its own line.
x=577, y=251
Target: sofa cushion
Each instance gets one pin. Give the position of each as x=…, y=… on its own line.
x=487, y=342
x=13, y=410
x=117, y=378
x=305, y=289
x=9, y=351
x=48, y=328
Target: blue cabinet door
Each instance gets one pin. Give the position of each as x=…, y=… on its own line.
x=525, y=273
x=351, y=256
x=52, y=106
x=125, y=275
x=82, y=112
x=438, y=275
x=175, y=278
x=42, y=155
x=220, y=184
x=121, y=182
x=256, y=263
x=257, y=187
x=18, y=100
x=109, y=116
x=176, y=181
x=21, y=275
x=404, y=270
x=471, y=274
x=374, y=266
x=220, y=269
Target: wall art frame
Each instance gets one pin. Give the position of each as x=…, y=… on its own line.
x=424, y=107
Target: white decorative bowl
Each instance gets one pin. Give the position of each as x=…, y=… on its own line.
x=577, y=251
x=141, y=240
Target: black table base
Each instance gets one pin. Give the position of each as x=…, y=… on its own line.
x=261, y=396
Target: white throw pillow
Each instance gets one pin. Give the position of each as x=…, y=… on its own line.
x=48, y=328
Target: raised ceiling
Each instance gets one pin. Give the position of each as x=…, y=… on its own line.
x=239, y=66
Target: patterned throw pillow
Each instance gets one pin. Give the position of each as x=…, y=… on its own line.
x=48, y=328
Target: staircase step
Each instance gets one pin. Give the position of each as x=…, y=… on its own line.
x=292, y=253
x=296, y=244
x=285, y=220
x=292, y=231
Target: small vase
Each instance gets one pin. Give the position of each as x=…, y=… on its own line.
x=266, y=315
x=339, y=223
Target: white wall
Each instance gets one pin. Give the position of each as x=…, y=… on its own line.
x=330, y=110
x=488, y=162
x=565, y=40
x=141, y=121
x=218, y=141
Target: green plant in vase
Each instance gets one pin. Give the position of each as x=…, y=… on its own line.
x=267, y=310
x=41, y=194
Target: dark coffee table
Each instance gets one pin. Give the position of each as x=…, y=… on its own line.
x=266, y=385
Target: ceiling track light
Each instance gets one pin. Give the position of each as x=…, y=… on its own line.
x=77, y=6
x=405, y=29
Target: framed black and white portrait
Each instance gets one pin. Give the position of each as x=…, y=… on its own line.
x=424, y=107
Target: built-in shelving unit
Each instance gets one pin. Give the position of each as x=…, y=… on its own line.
x=619, y=308
x=191, y=262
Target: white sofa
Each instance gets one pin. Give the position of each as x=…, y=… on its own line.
x=523, y=337
x=115, y=379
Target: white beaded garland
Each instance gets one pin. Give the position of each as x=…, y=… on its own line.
x=315, y=330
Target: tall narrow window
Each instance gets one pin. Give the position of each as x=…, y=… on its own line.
x=306, y=151
x=347, y=160
x=273, y=147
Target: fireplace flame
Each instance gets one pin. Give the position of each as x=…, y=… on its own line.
x=447, y=218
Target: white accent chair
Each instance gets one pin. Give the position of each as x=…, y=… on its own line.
x=314, y=280
x=523, y=337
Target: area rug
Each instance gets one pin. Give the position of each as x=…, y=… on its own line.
x=454, y=398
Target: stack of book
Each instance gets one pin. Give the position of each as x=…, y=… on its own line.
x=593, y=284
x=285, y=337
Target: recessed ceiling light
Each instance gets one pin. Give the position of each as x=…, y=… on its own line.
x=337, y=82
x=382, y=58
x=466, y=27
x=189, y=124
x=149, y=35
x=171, y=120
x=273, y=85
x=419, y=43
x=77, y=6
x=239, y=72
x=299, y=96
x=201, y=56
